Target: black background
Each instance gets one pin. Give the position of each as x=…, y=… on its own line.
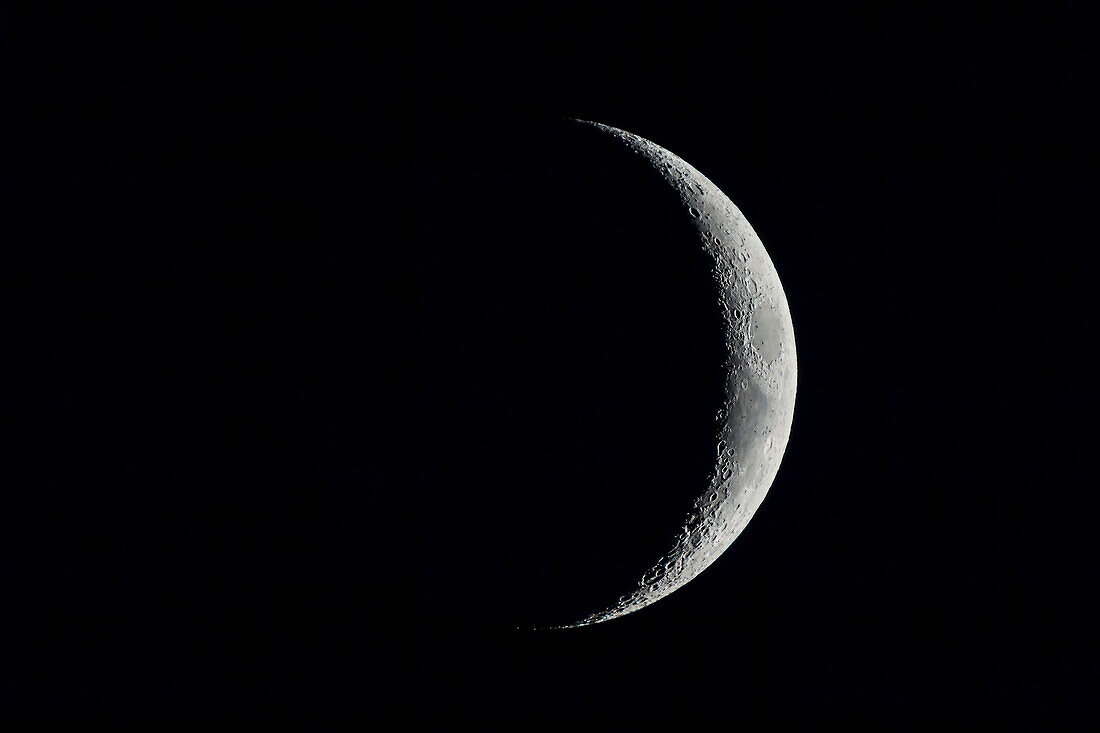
x=334, y=353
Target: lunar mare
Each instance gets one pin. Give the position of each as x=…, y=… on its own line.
x=755, y=422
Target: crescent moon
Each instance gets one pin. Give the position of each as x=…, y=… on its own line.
x=755, y=422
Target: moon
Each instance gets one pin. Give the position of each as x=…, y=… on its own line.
x=755, y=422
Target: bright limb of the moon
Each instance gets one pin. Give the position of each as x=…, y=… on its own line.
x=755, y=422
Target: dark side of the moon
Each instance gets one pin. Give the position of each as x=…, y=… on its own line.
x=499, y=419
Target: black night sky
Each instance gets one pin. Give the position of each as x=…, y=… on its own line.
x=335, y=357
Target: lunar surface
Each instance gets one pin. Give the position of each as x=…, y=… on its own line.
x=755, y=422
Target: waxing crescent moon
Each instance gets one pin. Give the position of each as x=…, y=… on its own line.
x=755, y=422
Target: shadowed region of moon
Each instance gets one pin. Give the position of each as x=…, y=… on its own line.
x=577, y=352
